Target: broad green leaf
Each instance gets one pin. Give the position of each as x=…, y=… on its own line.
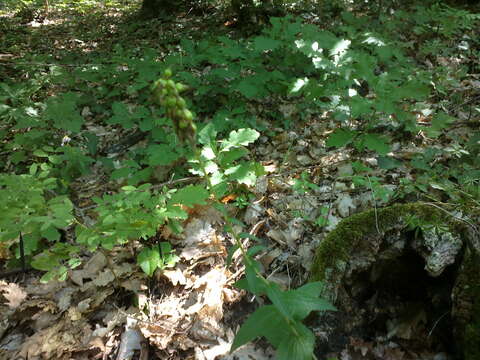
x=245, y=173
x=228, y=157
x=40, y=153
x=121, y=115
x=146, y=124
x=388, y=162
x=265, y=321
x=360, y=106
x=148, y=259
x=301, y=305
x=299, y=345
x=174, y=211
x=33, y=169
x=51, y=234
x=165, y=247
x=413, y=89
x=376, y=143
x=190, y=195
x=249, y=87
x=45, y=261
x=255, y=284
x=208, y=153
x=340, y=47
x=207, y=135
x=277, y=297
x=418, y=162
x=121, y=173
x=59, y=273
x=241, y=137
x=18, y=156
x=340, y=137
x=162, y=154
x=219, y=188
x=312, y=288
x=168, y=259
x=262, y=43
x=176, y=226
x=92, y=142
x=62, y=111
x=440, y=121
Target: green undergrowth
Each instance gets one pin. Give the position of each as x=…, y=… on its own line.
x=146, y=112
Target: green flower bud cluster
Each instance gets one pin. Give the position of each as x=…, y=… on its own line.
x=166, y=93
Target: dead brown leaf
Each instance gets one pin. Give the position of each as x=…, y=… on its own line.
x=13, y=293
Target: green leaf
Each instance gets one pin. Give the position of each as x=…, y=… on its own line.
x=168, y=259
x=255, y=284
x=51, y=234
x=121, y=115
x=45, y=261
x=148, y=259
x=262, y=43
x=241, y=137
x=59, y=273
x=207, y=135
x=413, y=89
x=311, y=289
x=255, y=249
x=245, y=173
x=440, y=121
x=165, y=248
x=162, y=154
x=299, y=345
x=376, y=143
x=174, y=211
x=230, y=253
x=340, y=137
x=208, y=154
x=228, y=157
x=190, y=195
x=92, y=142
x=300, y=305
x=249, y=87
x=63, y=113
x=277, y=297
x=33, y=169
x=265, y=321
x=388, y=162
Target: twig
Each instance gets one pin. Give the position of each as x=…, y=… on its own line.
x=453, y=215
x=436, y=323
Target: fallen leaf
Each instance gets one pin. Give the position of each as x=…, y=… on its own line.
x=13, y=293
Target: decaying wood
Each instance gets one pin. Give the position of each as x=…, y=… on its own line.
x=382, y=273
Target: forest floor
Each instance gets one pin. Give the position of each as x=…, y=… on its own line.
x=108, y=308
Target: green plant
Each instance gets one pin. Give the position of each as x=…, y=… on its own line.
x=243, y=200
x=31, y=207
x=303, y=185
x=218, y=163
x=161, y=257
x=322, y=219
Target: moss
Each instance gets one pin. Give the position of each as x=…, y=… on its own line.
x=339, y=244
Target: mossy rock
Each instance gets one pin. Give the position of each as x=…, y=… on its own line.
x=364, y=232
x=362, y=240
